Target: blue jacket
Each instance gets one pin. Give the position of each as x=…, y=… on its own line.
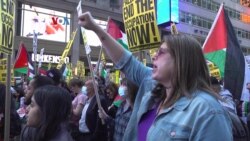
x=198, y=118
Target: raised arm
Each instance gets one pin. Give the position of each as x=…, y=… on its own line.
x=114, y=49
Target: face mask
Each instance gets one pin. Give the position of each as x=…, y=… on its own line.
x=122, y=91
x=84, y=90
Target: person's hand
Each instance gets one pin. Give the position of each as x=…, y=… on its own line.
x=111, y=106
x=102, y=114
x=87, y=21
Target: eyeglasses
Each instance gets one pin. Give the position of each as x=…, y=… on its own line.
x=161, y=51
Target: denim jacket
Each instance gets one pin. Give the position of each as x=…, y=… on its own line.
x=196, y=118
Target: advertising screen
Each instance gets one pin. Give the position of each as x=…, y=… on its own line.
x=46, y=23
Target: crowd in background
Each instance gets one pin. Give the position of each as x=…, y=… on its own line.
x=48, y=108
x=175, y=99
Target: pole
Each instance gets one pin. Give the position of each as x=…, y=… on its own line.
x=99, y=60
x=35, y=50
x=88, y=50
x=7, y=101
x=95, y=87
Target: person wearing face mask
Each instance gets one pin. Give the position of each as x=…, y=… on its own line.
x=123, y=88
x=119, y=122
x=84, y=90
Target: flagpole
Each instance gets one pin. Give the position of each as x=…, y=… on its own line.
x=40, y=60
x=8, y=85
x=35, y=50
x=88, y=50
x=95, y=86
x=99, y=60
x=7, y=101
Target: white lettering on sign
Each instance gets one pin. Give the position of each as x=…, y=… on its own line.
x=49, y=58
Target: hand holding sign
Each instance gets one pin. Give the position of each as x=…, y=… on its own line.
x=87, y=21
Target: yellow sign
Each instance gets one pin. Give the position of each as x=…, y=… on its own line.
x=7, y=26
x=80, y=69
x=117, y=77
x=3, y=71
x=140, y=24
x=66, y=50
x=213, y=70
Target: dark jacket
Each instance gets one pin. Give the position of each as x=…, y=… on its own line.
x=93, y=121
x=28, y=134
x=62, y=135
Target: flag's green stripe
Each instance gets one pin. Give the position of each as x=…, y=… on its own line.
x=218, y=58
x=122, y=43
x=22, y=70
x=117, y=103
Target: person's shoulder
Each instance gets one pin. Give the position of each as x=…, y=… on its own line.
x=205, y=101
x=82, y=96
x=62, y=135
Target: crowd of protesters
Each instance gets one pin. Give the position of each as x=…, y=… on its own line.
x=174, y=100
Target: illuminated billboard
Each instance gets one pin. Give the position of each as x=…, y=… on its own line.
x=48, y=24
x=245, y=3
x=167, y=12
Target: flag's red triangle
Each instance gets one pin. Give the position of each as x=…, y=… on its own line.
x=113, y=29
x=21, y=58
x=217, y=39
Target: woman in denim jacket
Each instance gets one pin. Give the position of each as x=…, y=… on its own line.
x=174, y=101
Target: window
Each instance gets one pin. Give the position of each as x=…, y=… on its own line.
x=204, y=3
x=205, y=25
x=189, y=18
x=194, y=20
x=209, y=24
x=237, y=15
x=239, y=33
x=115, y=4
x=182, y=17
x=244, y=50
x=199, y=21
x=209, y=6
x=243, y=34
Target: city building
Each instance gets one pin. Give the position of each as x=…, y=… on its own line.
x=55, y=20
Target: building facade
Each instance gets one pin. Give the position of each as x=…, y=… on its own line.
x=55, y=20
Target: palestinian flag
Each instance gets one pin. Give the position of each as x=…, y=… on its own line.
x=116, y=30
x=21, y=62
x=118, y=101
x=222, y=48
x=31, y=69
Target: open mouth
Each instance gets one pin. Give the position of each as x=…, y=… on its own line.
x=154, y=67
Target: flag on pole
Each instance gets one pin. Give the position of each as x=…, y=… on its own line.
x=116, y=30
x=118, y=101
x=31, y=70
x=222, y=48
x=21, y=62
